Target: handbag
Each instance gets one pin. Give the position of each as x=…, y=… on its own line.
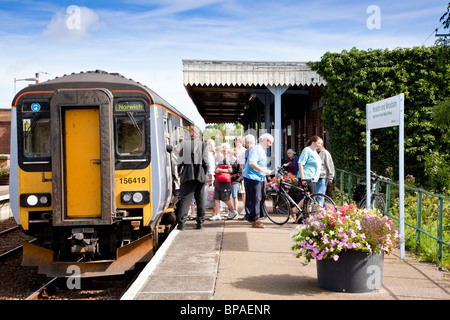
x=223, y=176
x=209, y=197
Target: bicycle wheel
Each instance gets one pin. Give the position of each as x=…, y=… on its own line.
x=277, y=208
x=377, y=203
x=318, y=201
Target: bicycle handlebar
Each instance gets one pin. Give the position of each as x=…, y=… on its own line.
x=378, y=177
x=281, y=170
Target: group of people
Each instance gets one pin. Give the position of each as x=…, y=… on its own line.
x=230, y=171
x=241, y=170
x=225, y=176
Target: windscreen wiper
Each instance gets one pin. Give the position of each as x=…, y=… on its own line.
x=32, y=124
x=134, y=122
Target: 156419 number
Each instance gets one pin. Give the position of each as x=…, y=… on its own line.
x=132, y=180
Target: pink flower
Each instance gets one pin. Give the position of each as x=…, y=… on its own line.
x=336, y=257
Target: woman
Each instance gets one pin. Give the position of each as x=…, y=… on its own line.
x=293, y=162
x=309, y=165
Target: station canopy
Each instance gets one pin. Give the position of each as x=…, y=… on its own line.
x=222, y=90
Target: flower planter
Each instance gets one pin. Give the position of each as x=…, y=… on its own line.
x=355, y=271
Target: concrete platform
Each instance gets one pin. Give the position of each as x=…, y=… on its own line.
x=5, y=209
x=230, y=260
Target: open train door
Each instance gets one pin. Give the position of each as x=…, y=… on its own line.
x=82, y=157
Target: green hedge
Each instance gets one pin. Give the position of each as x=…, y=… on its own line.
x=355, y=78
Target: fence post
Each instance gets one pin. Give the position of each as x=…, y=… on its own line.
x=440, y=226
x=349, y=187
x=418, y=217
x=342, y=188
x=388, y=198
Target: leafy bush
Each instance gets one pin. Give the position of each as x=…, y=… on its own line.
x=356, y=78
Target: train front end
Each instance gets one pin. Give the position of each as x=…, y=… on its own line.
x=81, y=177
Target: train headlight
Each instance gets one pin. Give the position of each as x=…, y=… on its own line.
x=135, y=197
x=138, y=197
x=43, y=200
x=32, y=200
x=35, y=200
x=126, y=197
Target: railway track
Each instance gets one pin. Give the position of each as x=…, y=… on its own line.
x=25, y=284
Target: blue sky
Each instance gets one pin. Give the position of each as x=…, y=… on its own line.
x=147, y=40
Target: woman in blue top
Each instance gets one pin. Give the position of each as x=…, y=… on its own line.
x=309, y=165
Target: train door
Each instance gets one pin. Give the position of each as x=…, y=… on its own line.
x=82, y=157
x=81, y=145
x=169, y=166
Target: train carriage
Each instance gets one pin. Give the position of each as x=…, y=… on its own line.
x=90, y=175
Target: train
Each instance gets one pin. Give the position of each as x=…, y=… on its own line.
x=90, y=172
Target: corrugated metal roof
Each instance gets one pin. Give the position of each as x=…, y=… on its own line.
x=247, y=73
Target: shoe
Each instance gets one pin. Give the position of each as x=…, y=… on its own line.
x=258, y=224
x=231, y=215
x=199, y=226
x=215, y=218
x=180, y=226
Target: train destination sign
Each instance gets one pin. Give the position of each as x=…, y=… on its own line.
x=130, y=106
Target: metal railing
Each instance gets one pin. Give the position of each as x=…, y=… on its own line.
x=346, y=181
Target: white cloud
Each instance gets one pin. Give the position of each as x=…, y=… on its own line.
x=147, y=39
x=72, y=24
x=174, y=6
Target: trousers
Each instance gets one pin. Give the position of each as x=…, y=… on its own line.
x=255, y=195
x=189, y=189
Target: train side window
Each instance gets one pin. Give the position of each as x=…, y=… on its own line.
x=130, y=136
x=36, y=138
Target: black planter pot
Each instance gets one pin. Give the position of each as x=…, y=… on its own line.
x=354, y=272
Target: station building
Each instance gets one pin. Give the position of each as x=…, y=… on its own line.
x=282, y=98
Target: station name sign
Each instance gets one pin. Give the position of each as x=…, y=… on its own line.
x=384, y=113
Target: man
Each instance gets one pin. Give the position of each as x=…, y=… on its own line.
x=327, y=169
x=254, y=178
x=192, y=166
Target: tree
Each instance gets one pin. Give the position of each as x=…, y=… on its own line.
x=355, y=78
x=446, y=18
x=218, y=131
x=444, y=41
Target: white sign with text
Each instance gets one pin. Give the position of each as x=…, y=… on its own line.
x=384, y=113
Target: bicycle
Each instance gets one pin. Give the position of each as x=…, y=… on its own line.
x=376, y=200
x=280, y=202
